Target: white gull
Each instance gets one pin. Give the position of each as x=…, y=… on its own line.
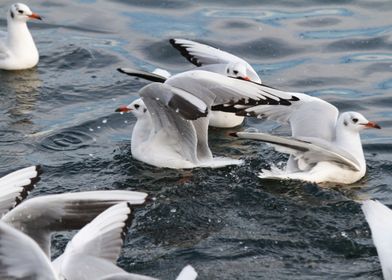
x=324, y=147
x=17, y=47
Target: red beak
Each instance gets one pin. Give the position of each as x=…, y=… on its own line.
x=35, y=16
x=372, y=125
x=246, y=78
x=123, y=109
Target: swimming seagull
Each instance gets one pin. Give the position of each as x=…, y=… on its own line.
x=379, y=218
x=210, y=59
x=324, y=147
x=91, y=254
x=172, y=125
x=17, y=47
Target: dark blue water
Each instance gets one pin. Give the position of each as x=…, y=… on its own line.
x=226, y=222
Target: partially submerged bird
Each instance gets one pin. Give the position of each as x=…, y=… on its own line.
x=209, y=59
x=17, y=47
x=324, y=146
x=172, y=124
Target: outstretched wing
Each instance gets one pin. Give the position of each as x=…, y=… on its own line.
x=101, y=239
x=215, y=89
x=21, y=258
x=308, y=116
x=203, y=55
x=15, y=187
x=311, y=151
x=39, y=217
x=153, y=77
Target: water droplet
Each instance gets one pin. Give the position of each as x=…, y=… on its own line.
x=104, y=121
x=173, y=210
x=91, y=129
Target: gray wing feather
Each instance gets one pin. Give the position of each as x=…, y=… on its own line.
x=39, y=217
x=170, y=112
x=311, y=151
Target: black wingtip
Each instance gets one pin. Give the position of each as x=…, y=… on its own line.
x=184, y=52
x=234, y=134
x=127, y=222
x=121, y=70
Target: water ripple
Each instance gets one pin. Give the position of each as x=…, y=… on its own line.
x=336, y=34
x=272, y=17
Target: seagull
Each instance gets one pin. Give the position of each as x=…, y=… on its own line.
x=17, y=47
x=379, y=218
x=91, y=253
x=325, y=146
x=210, y=59
x=172, y=124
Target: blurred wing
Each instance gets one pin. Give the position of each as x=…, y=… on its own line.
x=143, y=74
x=308, y=116
x=22, y=258
x=201, y=55
x=102, y=238
x=171, y=110
x=311, y=151
x=215, y=89
x=379, y=218
x=15, y=187
x=187, y=273
x=39, y=217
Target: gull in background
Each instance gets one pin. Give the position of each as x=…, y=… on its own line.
x=17, y=47
x=209, y=59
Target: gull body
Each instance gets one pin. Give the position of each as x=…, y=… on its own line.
x=17, y=47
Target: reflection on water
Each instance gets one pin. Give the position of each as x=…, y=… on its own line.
x=226, y=222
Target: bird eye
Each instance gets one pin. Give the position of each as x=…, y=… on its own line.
x=20, y=11
x=235, y=72
x=227, y=71
x=355, y=120
x=136, y=106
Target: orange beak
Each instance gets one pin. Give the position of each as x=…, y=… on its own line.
x=35, y=16
x=123, y=109
x=372, y=125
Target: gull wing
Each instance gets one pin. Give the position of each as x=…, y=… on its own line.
x=142, y=74
x=21, y=258
x=101, y=239
x=202, y=55
x=215, y=89
x=308, y=116
x=311, y=151
x=171, y=113
x=39, y=217
x=379, y=218
x=15, y=187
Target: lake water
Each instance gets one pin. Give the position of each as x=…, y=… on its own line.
x=225, y=222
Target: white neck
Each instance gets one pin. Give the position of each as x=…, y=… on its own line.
x=19, y=38
x=350, y=141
